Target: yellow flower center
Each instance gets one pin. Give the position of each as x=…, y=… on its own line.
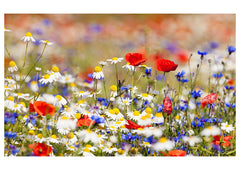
x=144, y=95
x=114, y=58
x=227, y=126
x=144, y=117
x=68, y=109
x=10, y=98
x=86, y=150
x=113, y=88
x=54, y=136
x=120, y=151
x=140, y=128
x=28, y=34
x=162, y=139
x=148, y=110
x=19, y=94
x=89, y=131
x=116, y=110
x=33, y=82
x=159, y=114
x=55, y=69
x=15, y=105
x=31, y=132
x=39, y=136
x=72, y=84
x=22, y=103
x=80, y=102
x=88, y=146
x=177, y=117
x=111, y=111
x=59, y=97
x=81, y=92
x=209, y=127
x=71, y=135
x=148, y=115
x=72, y=147
x=146, y=143
x=97, y=69
x=65, y=118
x=46, y=76
x=112, y=127
x=77, y=115
x=12, y=64
x=118, y=122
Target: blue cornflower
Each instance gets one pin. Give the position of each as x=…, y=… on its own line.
x=97, y=119
x=231, y=49
x=46, y=22
x=196, y=94
x=202, y=53
x=95, y=28
x=148, y=71
x=217, y=75
x=180, y=76
x=37, y=42
x=160, y=78
x=193, y=123
x=232, y=105
x=229, y=87
x=213, y=45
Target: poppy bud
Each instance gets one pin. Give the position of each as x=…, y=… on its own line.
x=167, y=105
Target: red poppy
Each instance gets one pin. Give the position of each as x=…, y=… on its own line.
x=177, y=153
x=42, y=108
x=231, y=82
x=85, y=121
x=31, y=146
x=132, y=125
x=166, y=65
x=167, y=104
x=209, y=99
x=182, y=57
x=42, y=149
x=135, y=59
x=226, y=139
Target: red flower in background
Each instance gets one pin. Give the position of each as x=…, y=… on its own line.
x=166, y=65
x=85, y=121
x=167, y=104
x=132, y=125
x=182, y=57
x=42, y=108
x=135, y=59
x=226, y=139
x=209, y=99
x=42, y=150
x=177, y=153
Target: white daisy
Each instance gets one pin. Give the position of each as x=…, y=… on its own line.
x=113, y=91
x=12, y=66
x=129, y=67
x=9, y=102
x=145, y=96
x=210, y=131
x=192, y=140
x=103, y=63
x=67, y=78
x=28, y=37
x=53, y=139
x=114, y=114
x=158, y=118
x=152, y=131
x=228, y=128
x=21, y=95
x=163, y=144
x=98, y=74
x=47, y=78
x=65, y=124
x=82, y=94
x=69, y=111
x=60, y=101
x=46, y=42
x=135, y=115
x=115, y=60
x=34, y=86
x=110, y=150
x=126, y=101
x=88, y=136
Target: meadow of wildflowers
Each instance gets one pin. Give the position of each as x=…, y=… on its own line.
x=110, y=89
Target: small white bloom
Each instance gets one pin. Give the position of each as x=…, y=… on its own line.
x=115, y=60
x=28, y=37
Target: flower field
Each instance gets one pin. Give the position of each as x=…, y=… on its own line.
x=119, y=85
